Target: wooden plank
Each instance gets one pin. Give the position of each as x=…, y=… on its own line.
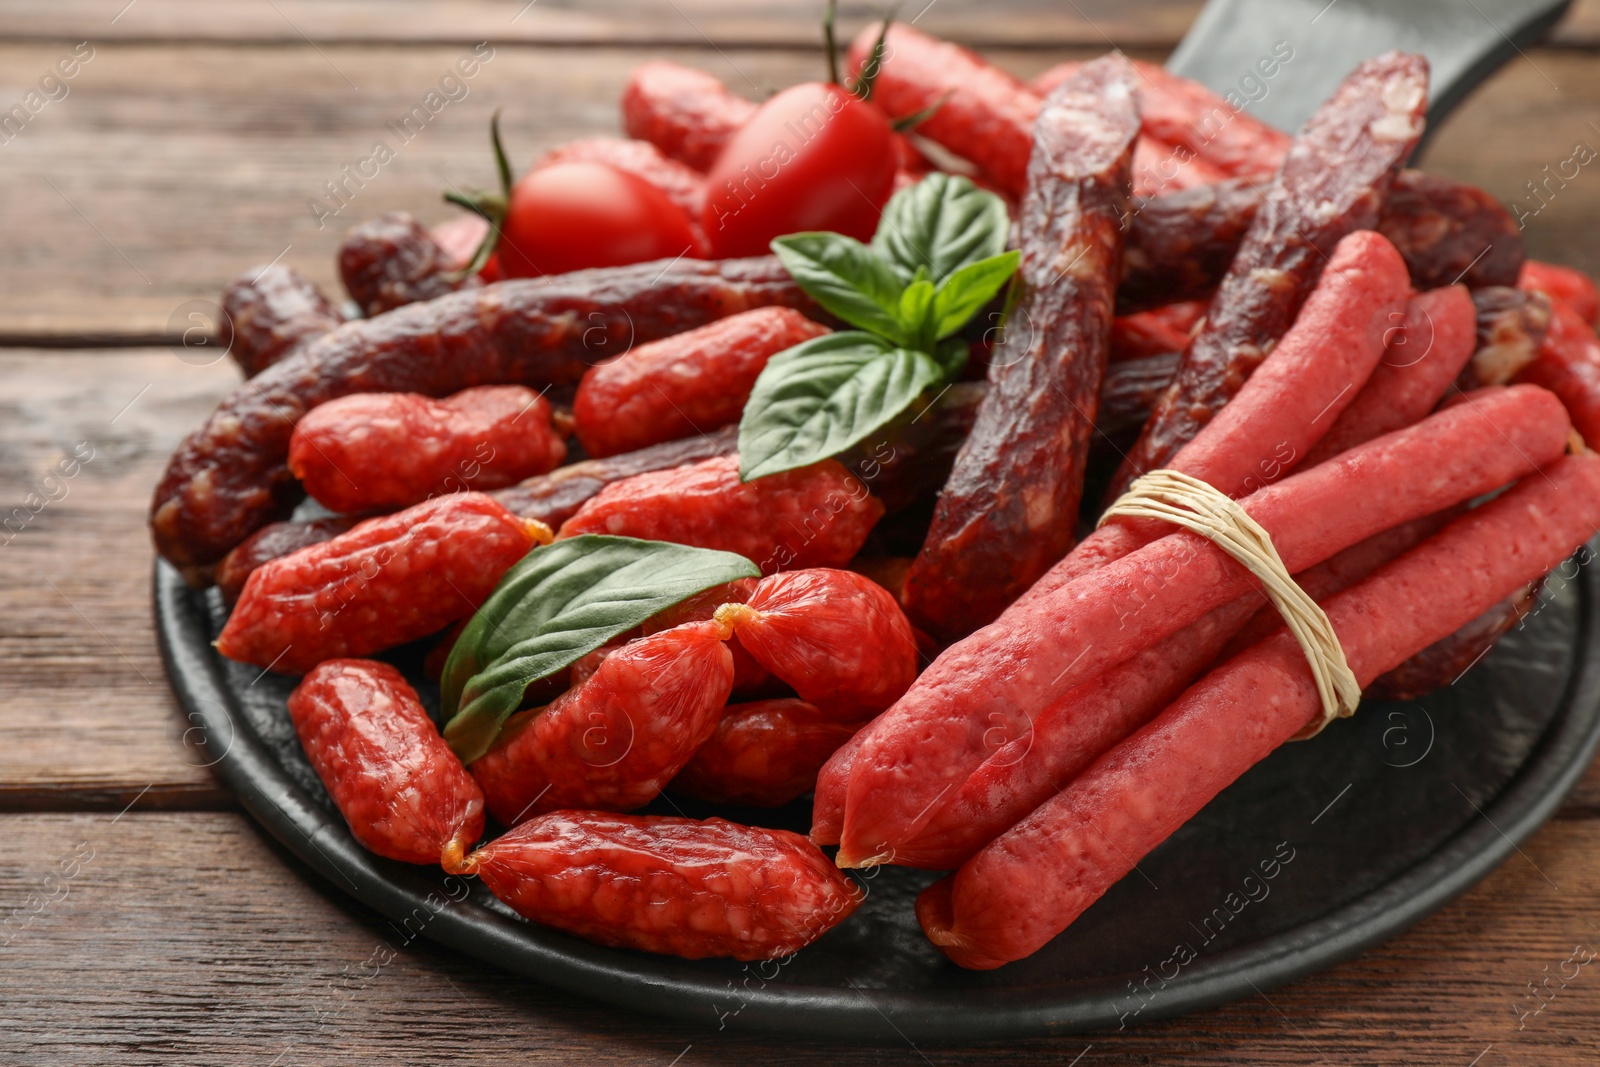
x=170, y=169
x=771, y=23
x=90, y=720
x=764, y=23
x=189, y=939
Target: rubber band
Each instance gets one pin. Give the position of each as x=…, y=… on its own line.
x=1175, y=497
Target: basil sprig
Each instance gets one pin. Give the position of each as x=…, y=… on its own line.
x=937, y=258
x=557, y=604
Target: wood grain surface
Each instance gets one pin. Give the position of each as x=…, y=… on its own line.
x=187, y=150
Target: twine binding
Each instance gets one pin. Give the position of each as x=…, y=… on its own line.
x=1175, y=497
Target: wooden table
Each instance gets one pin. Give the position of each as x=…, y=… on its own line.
x=145, y=918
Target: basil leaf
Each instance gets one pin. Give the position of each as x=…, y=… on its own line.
x=943, y=223
x=918, y=314
x=963, y=294
x=558, y=603
x=820, y=397
x=845, y=277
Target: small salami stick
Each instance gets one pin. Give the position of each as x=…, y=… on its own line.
x=1030, y=883
x=763, y=754
x=382, y=583
x=230, y=476
x=1010, y=507
x=838, y=638
x=686, y=113
x=403, y=792
x=1333, y=182
x=1130, y=391
x=379, y=451
x=1572, y=287
x=670, y=885
x=685, y=384
x=391, y=261
x=267, y=312
x=614, y=740
x=816, y=516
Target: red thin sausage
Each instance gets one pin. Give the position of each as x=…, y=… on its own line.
x=1032, y=882
x=1572, y=287
x=1023, y=771
x=1010, y=507
x=1332, y=183
x=395, y=781
x=686, y=113
x=985, y=115
x=685, y=384
x=1426, y=352
x=934, y=737
x=1568, y=365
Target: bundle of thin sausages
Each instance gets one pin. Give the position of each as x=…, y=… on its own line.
x=1119, y=690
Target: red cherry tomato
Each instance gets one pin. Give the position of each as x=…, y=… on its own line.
x=813, y=158
x=569, y=216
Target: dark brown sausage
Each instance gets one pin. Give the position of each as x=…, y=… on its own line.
x=1512, y=324
x=1010, y=507
x=390, y=261
x=1333, y=182
x=230, y=477
x=269, y=310
x=1180, y=244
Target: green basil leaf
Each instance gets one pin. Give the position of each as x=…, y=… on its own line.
x=558, y=603
x=943, y=223
x=917, y=314
x=820, y=397
x=845, y=277
x=963, y=294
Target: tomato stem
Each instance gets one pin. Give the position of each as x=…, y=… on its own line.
x=830, y=46
x=490, y=206
x=861, y=86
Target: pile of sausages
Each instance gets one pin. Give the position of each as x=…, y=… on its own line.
x=1356, y=352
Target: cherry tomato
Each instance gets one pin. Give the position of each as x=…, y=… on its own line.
x=813, y=158
x=569, y=216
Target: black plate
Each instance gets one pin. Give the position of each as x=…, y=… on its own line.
x=1368, y=828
